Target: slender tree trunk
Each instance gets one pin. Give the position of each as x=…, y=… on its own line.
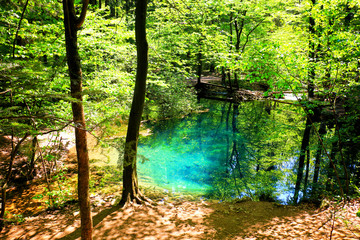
x=238, y=32
x=31, y=171
x=231, y=43
x=113, y=5
x=307, y=172
x=312, y=55
x=199, y=61
x=72, y=25
x=227, y=136
x=229, y=79
x=304, y=146
x=322, y=131
x=332, y=165
x=223, y=76
x=236, y=81
x=4, y=186
x=130, y=183
x=18, y=27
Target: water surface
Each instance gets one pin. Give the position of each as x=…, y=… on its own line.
x=225, y=151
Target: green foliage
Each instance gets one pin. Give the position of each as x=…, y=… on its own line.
x=60, y=192
x=105, y=179
x=14, y=218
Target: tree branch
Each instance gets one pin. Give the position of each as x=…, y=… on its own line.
x=81, y=19
x=247, y=36
x=18, y=28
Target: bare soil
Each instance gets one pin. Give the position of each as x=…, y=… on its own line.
x=198, y=220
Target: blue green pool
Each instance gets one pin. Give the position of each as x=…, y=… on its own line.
x=225, y=151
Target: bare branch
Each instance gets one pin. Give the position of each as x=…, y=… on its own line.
x=9, y=90
x=247, y=36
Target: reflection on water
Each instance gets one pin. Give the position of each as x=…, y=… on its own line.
x=226, y=152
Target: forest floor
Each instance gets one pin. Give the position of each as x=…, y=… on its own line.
x=198, y=220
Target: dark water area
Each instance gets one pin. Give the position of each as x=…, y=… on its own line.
x=226, y=151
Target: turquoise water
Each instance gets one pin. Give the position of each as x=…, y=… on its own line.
x=226, y=151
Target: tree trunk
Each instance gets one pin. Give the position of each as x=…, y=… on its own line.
x=332, y=166
x=127, y=6
x=357, y=78
x=31, y=171
x=130, y=184
x=4, y=186
x=229, y=79
x=199, y=64
x=223, y=76
x=236, y=81
x=322, y=131
x=238, y=32
x=304, y=146
x=18, y=27
x=312, y=55
x=307, y=172
x=72, y=25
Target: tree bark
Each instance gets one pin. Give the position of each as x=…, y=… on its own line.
x=238, y=32
x=130, y=183
x=307, y=169
x=199, y=67
x=18, y=27
x=312, y=55
x=72, y=25
x=4, y=186
x=322, y=131
x=304, y=146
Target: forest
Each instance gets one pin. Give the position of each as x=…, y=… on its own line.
x=180, y=119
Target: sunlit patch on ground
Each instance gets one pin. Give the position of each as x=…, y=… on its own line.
x=200, y=220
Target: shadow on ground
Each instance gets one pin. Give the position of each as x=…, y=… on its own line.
x=201, y=220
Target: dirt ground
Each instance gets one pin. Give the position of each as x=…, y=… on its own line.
x=198, y=220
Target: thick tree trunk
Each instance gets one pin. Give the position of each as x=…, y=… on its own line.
x=72, y=24
x=304, y=146
x=130, y=183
